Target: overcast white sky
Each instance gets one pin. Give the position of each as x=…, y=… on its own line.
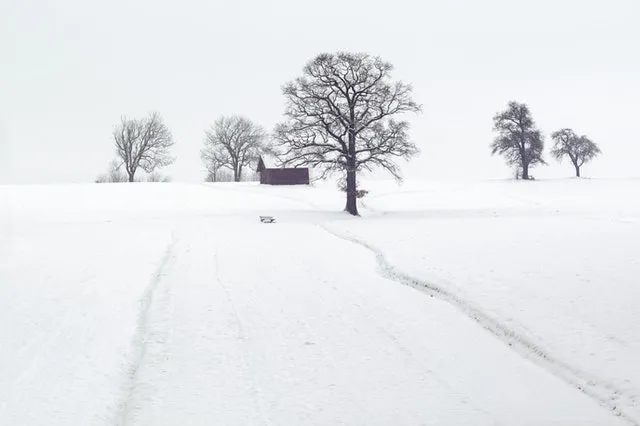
x=70, y=68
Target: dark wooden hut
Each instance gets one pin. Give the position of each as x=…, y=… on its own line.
x=282, y=176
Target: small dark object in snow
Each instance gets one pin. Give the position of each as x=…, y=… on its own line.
x=267, y=219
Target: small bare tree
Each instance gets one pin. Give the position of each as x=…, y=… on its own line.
x=518, y=140
x=113, y=175
x=579, y=149
x=222, y=175
x=143, y=144
x=214, y=159
x=157, y=177
x=233, y=143
x=213, y=174
x=340, y=119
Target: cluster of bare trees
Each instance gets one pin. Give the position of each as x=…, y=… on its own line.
x=141, y=144
x=521, y=143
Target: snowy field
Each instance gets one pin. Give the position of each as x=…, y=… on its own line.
x=486, y=303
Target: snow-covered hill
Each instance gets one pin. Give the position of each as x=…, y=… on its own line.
x=498, y=302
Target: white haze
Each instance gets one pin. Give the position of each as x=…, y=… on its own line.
x=70, y=68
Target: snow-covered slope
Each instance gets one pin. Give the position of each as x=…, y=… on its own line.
x=445, y=304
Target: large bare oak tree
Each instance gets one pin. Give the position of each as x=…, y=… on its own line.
x=143, y=143
x=579, y=149
x=340, y=118
x=518, y=140
x=232, y=143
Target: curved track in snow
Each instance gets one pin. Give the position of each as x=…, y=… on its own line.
x=602, y=391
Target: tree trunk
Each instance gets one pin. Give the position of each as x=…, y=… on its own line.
x=131, y=176
x=577, y=170
x=524, y=160
x=352, y=205
x=236, y=175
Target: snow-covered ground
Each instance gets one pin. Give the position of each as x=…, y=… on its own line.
x=487, y=303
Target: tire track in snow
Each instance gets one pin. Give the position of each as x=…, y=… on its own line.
x=427, y=371
x=604, y=393
x=256, y=391
x=152, y=333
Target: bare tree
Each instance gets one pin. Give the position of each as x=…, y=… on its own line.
x=518, y=140
x=113, y=175
x=158, y=177
x=579, y=149
x=232, y=143
x=214, y=158
x=143, y=144
x=340, y=119
x=212, y=175
x=221, y=175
